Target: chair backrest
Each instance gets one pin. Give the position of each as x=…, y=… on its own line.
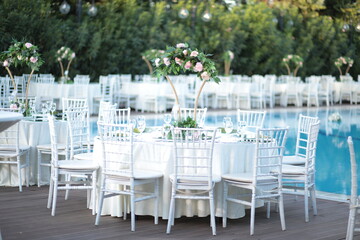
x=10, y=136
x=189, y=112
x=73, y=103
x=311, y=148
x=82, y=79
x=5, y=83
x=20, y=85
x=253, y=119
x=125, y=78
x=34, y=77
x=79, y=130
x=53, y=141
x=303, y=133
x=270, y=144
x=47, y=79
x=193, y=154
x=105, y=106
x=354, y=184
x=117, y=149
x=116, y=116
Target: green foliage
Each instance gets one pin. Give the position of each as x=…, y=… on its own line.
x=114, y=40
x=186, y=123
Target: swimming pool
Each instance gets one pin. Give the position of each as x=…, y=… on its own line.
x=332, y=158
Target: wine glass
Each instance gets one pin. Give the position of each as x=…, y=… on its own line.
x=53, y=108
x=228, y=126
x=167, y=118
x=141, y=123
x=241, y=125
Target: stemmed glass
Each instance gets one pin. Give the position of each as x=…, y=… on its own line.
x=241, y=125
x=167, y=125
x=44, y=110
x=32, y=108
x=141, y=123
x=228, y=125
x=53, y=108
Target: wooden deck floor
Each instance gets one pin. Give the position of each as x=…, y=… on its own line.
x=25, y=216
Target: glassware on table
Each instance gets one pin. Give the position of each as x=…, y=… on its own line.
x=167, y=118
x=53, y=108
x=200, y=121
x=228, y=125
x=241, y=125
x=44, y=111
x=141, y=123
x=166, y=129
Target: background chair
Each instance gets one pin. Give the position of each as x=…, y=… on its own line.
x=69, y=167
x=192, y=178
x=11, y=152
x=118, y=168
x=253, y=119
x=265, y=182
x=302, y=140
x=303, y=177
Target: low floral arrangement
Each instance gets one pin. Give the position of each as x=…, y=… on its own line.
x=293, y=61
x=341, y=61
x=150, y=55
x=228, y=57
x=20, y=53
x=65, y=53
x=183, y=59
x=335, y=117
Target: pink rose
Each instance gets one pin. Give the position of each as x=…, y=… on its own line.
x=59, y=59
x=166, y=61
x=33, y=59
x=13, y=106
x=185, y=52
x=157, y=62
x=28, y=45
x=73, y=55
x=194, y=54
x=205, y=76
x=6, y=63
x=178, y=61
x=231, y=55
x=180, y=45
x=188, y=65
x=198, y=67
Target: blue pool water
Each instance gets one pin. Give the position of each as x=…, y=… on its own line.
x=332, y=160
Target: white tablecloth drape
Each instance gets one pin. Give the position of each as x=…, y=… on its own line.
x=158, y=156
x=33, y=134
x=8, y=119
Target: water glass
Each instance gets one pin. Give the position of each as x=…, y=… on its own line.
x=228, y=126
x=166, y=129
x=53, y=108
x=141, y=123
x=241, y=125
x=167, y=118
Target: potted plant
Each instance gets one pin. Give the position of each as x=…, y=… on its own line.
x=20, y=53
x=293, y=62
x=64, y=53
x=182, y=58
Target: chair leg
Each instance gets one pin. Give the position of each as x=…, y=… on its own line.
x=27, y=169
x=351, y=224
x=268, y=209
x=313, y=199
x=51, y=189
x=212, y=213
x=101, y=201
x=252, y=217
x=171, y=211
x=224, y=219
x=93, y=192
x=19, y=173
x=132, y=208
x=282, y=214
x=124, y=197
x=55, y=189
x=306, y=202
x=39, y=168
x=67, y=178
x=156, y=210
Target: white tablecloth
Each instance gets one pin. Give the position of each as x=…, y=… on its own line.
x=8, y=119
x=59, y=91
x=157, y=155
x=33, y=134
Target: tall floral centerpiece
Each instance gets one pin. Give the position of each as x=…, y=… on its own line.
x=182, y=58
x=293, y=62
x=228, y=57
x=344, y=61
x=151, y=55
x=65, y=54
x=20, y=53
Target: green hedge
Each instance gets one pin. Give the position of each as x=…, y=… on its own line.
x=112, y=42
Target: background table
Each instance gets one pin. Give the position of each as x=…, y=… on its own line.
x=8, y=119
x=158, y=156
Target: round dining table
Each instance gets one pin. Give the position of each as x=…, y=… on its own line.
x=230, y=155
x=7, y=119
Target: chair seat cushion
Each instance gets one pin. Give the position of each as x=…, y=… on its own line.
x=294, y=160
x=84, y=156
x=293, y=170
x=146, y=174
x=196, y=180
x=78, y=164
x=48, y=147
x=245, y=177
